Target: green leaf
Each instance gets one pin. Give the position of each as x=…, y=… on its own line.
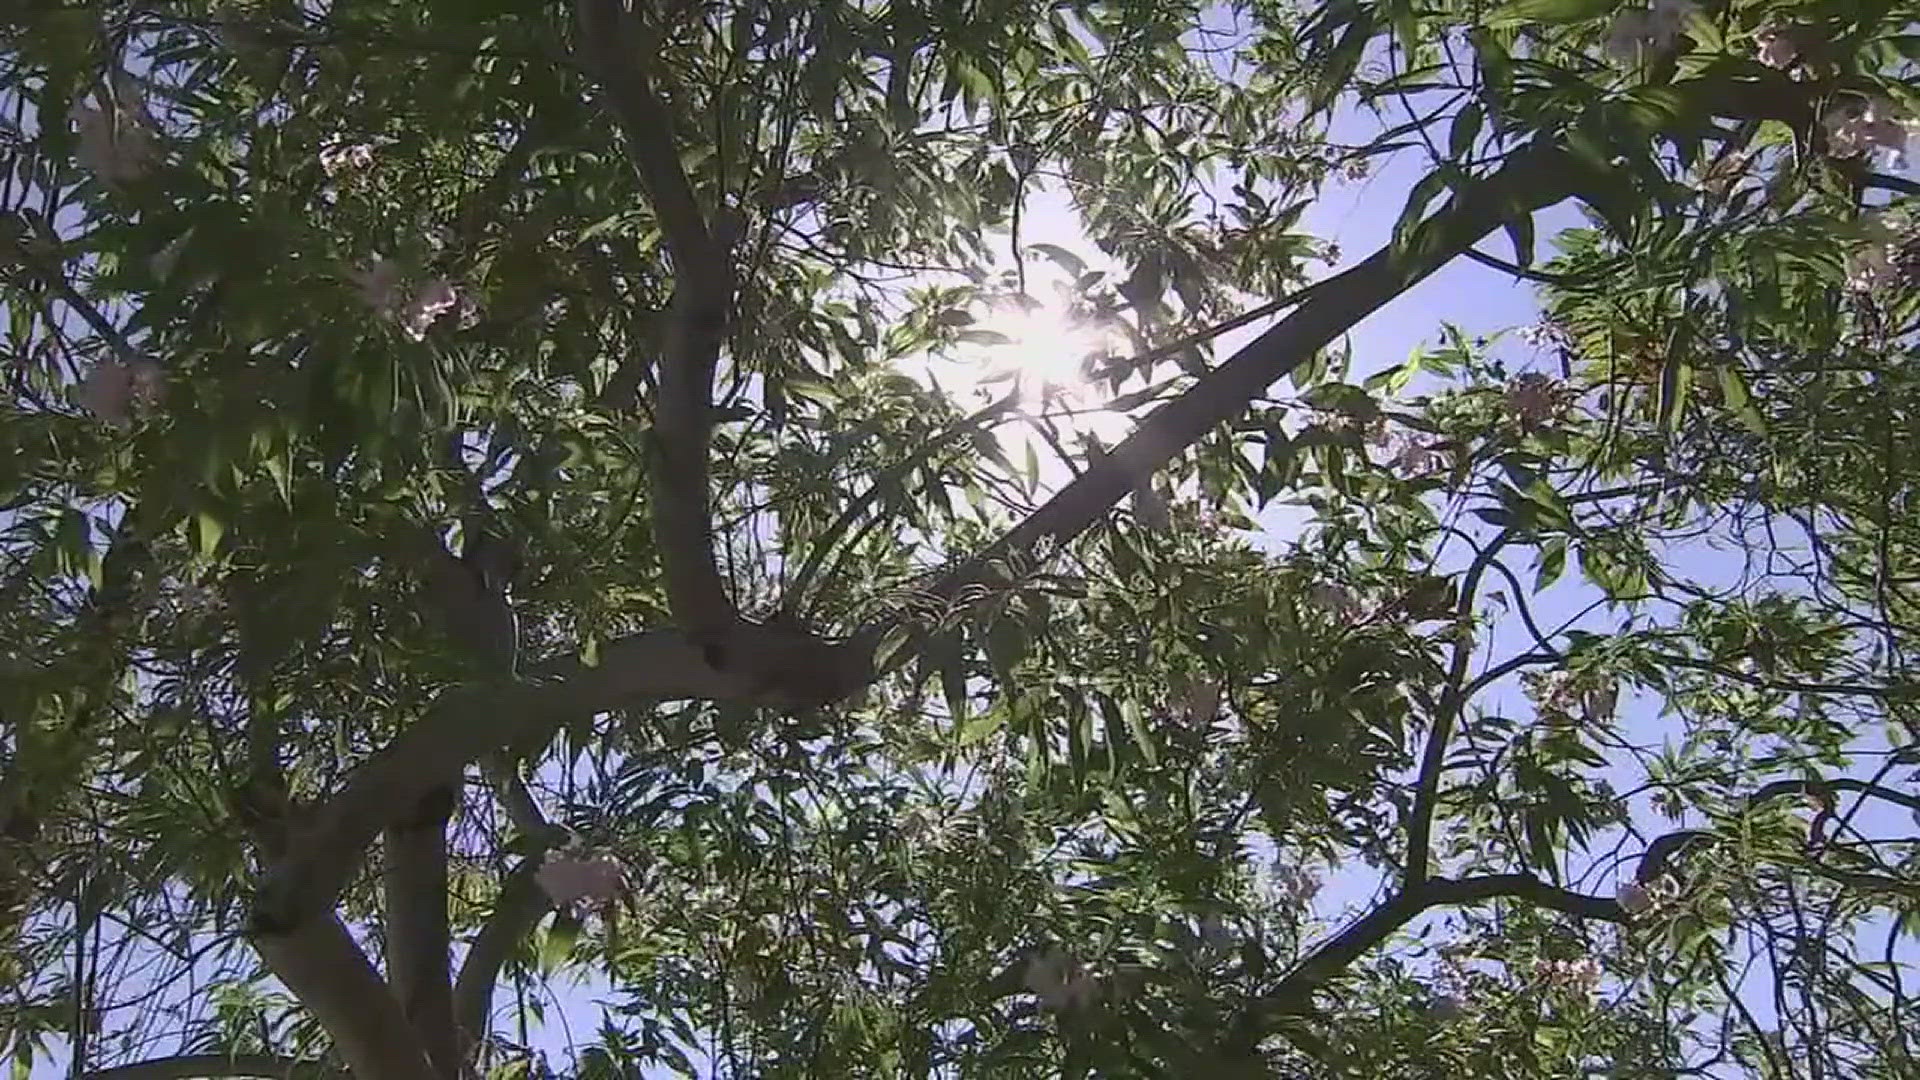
x=1553, y=563
x=558, y=942
x=1137, y=727
x=1073, y=264
x=1521, y=12
x=1676, y=382
x=208, y=529
x=1465, y=129
x=984, y=726
x=1733, y=391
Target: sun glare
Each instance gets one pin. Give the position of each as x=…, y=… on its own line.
x=1044, y=348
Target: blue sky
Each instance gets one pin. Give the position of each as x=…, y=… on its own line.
x=1480, y=301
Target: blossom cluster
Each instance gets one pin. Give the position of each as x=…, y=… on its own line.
x=117, y=142
x=1654, y=30
x=1559, y=694
x=595, y=879
x=1534, y=400
x=112, y=388
x=1061, y=983
x=383, y=288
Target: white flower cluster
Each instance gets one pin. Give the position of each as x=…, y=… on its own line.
x=597, y=880
x=1652, y=31
x=112, y=388
x=1581, y=975
x=1558, y=694
x=382, y=287
x=1533, y=399
x=117, y=142
x=1864, y=126
x=1061, y=983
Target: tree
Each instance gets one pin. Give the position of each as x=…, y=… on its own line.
x=468, y=521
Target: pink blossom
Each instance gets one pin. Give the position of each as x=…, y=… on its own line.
x=111, y=389
x=567, y=879
x=1775, y=48
x=1060, y=982
x=116, y=146
x=1857, y=127
x=1654, y=29
x=1534, y=399
x=433, y=300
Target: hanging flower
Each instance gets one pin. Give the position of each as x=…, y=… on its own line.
x=566, y=879
x=117, y=145
x=1599, y=699
x=1203, y=701
x=379, y=284
x=1416, y=456
x=1864, y=125
x=112, y=388
x=1534, y=399
x=1060, y=982
x=1214, y=932
x=436, y=298
x=382, y=288
x=1654, y=30
x=1873, y=267
x=346, y=157
x=1333, y=600
x=1775, y=47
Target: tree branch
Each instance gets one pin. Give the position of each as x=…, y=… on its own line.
x=1453, y=699
x=461, y=727
x=518, y=909
x=195, y=1066
x=320, y=963
x=414, y=883
x=789, y=667
x=1382, y=922
x=1531, y=178
x=612, y=47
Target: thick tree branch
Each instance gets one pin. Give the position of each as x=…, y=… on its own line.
x=1532, y=178
x=518, y=909
x=463, y=726
x=414, y=884
x=1382, y=922
x=789, y=667
x=208, y=1066
x=612, y=47
x=320, y=963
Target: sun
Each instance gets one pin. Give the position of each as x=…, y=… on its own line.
x=1045, y=349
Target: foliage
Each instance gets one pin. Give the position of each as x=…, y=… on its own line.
x=363, y=682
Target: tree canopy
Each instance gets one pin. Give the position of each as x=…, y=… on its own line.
x=487, y=500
